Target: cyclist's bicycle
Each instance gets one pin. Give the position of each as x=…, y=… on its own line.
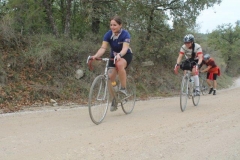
x=99, y=97
x=203, y=84
x=187, y=90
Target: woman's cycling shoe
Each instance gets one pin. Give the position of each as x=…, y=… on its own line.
x=214, y=92
x=210, y=91
x=114, y=105
x=123, y=91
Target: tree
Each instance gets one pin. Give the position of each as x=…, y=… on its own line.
x=68, y=18
x=48, y=7
x=151, y=21
x=226, y=38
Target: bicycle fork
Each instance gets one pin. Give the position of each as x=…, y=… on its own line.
x=102, y=96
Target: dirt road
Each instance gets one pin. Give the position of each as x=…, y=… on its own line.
x=156, y=129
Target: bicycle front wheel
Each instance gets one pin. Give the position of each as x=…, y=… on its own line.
x=184, y=93
x=128, y=102
x=98, y=99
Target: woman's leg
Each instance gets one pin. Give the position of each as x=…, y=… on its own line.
x=112, y=73
x=215, y=84
x=209, y=83
x=214, y=87
x=121, y=65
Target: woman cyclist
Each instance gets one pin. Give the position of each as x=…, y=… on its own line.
x=193, y=52
x=212, y=72
x=119, y=40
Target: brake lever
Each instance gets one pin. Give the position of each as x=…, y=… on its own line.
x=89, y=57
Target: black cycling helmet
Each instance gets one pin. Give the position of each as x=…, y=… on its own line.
x=206, y=57
x=188, y=38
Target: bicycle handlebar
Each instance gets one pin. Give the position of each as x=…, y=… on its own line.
x=90, y=59
x=195, y=66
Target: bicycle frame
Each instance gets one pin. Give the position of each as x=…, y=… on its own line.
x=107, y=78
x=99, y=93
x=190, y=86
x=187, y=91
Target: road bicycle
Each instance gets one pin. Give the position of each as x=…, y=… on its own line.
x=203, y=84
x=100, y=91
x=188, y=91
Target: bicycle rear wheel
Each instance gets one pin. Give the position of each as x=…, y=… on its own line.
x=204, y=87
x=128, y=102
x=98, y=99
x=184, y=93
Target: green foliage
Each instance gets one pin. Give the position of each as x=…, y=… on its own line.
x=7, y=32
x=28, y=15
x=226, y=39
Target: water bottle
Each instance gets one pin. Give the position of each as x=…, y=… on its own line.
x=115, y=87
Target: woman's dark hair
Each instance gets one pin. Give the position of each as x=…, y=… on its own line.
x=117, y=19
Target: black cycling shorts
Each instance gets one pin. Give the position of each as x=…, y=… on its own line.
x=214, y=76
x=127, y=57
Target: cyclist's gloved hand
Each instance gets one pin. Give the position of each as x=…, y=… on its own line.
x=177, y=66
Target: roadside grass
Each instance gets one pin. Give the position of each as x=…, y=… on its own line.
x=45, y=69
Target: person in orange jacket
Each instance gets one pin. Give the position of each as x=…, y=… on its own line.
x=212, y=72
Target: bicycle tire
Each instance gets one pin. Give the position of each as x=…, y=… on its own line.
x=184, y=93
x=195, y=98
x=98, y=99
x=204, y=87
x=128, y=102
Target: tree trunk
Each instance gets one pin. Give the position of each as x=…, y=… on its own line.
x=68, y=18
x=50, y=17
x=95, y=19
x=63, y=12
x=150, y=23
